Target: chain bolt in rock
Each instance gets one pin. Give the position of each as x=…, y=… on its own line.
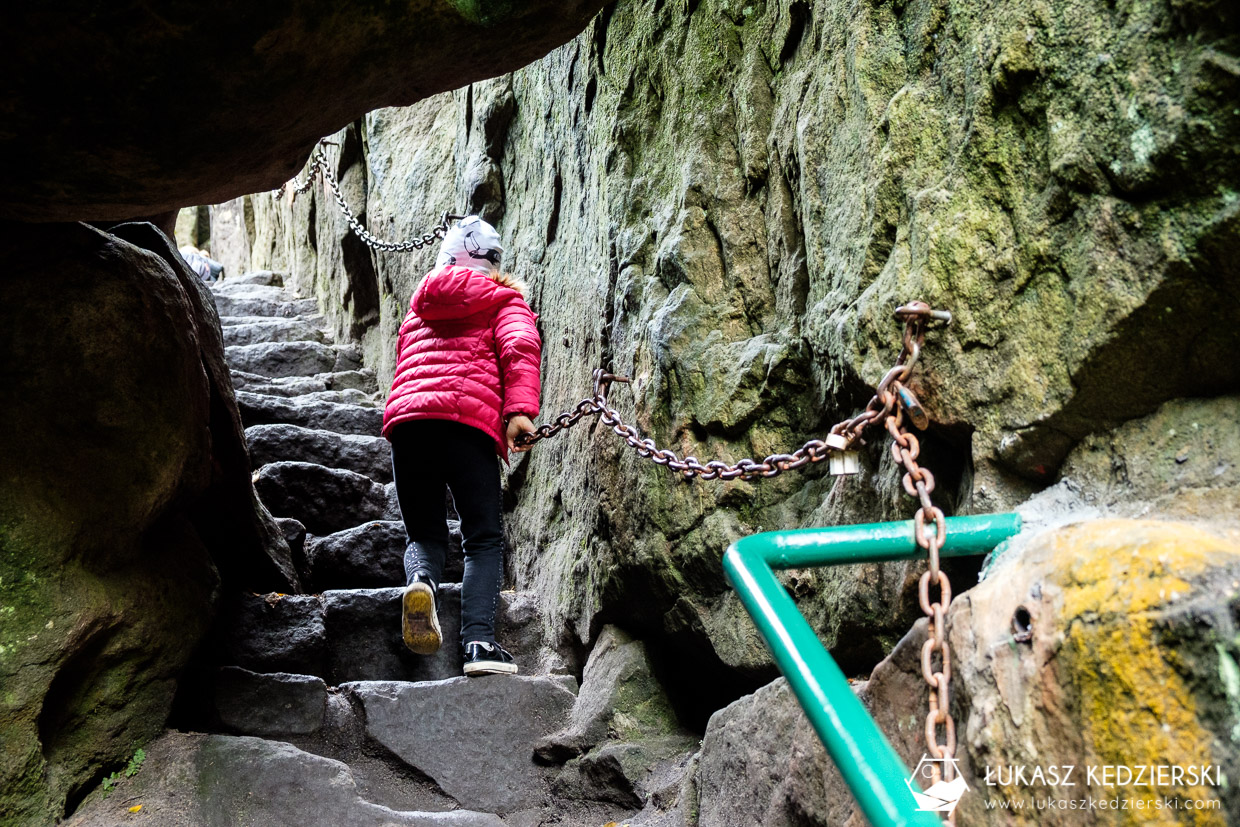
x=319, y=167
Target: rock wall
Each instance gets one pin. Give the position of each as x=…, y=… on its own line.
x=725, y=201
x=125, y=496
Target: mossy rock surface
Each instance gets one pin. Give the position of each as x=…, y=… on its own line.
x=726, y=201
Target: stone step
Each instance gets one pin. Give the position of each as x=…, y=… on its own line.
x=354, y=634
x=345, y=396
x=473, y=737
x=249, y=290
x=250, y=330
x=369, y=456
x=362, y=380
x=216, y=780
x=259, y=277
x=371, y=556
x=227, y=305
x=282, y=359
x=324, y=500
x=343, y=418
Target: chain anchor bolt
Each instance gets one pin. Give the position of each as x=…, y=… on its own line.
x=923, y=311
x=916, y=413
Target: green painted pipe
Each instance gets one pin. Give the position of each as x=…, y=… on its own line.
x=875, y=542
x=868, y=764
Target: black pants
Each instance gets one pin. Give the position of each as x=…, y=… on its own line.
x=427, y=456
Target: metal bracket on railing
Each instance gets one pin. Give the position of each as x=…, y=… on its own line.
x=870, y=767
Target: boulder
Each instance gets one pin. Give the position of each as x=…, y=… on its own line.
x=473, y=736
x=324, y=500
x=1038, y=649
x=1180, y=460
x=619, y=772
x=622, y=726
x=308, y=412
x=370, y=456
x=247, y=101
x=194, y=780
x=274, y=703
x=620, y=700
x=124, y=497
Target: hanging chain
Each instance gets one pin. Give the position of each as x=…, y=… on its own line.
x=890, y=393
x=919, y=483
x=319, y=166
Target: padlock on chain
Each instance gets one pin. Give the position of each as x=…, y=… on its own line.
x=842, y=461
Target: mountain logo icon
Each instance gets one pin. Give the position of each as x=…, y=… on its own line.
x=940, y=796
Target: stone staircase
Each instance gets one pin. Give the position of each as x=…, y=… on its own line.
x=307, y=709
x=325, y=675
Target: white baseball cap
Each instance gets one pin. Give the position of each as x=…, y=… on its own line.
x=472, y=243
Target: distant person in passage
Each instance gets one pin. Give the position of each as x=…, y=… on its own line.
x=466, y=386
x=207, y=268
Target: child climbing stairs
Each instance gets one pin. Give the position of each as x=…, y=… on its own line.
x=319, y=714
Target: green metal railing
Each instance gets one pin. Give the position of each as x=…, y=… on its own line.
x=869, y=765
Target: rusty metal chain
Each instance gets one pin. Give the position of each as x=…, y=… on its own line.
x=815, y=450
x=915, y=316
x=319, y=167
x=892, y=402
x=919, y=483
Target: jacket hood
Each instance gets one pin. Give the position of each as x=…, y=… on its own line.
x=454, y=292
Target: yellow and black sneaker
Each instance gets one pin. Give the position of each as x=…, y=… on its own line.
x=482, y=658
x=419, y=623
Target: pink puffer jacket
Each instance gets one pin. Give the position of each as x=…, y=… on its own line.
x=468, y=352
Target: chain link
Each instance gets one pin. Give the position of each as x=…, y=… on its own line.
x=918, y=483
x=843, y=435
x=892, y=402
x=319, y=167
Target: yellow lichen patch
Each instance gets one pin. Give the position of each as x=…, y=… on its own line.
x=1127, y=566
x=1135, y=708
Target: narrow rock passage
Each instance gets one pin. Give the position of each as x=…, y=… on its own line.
x=329, y=670
x=320, y=714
